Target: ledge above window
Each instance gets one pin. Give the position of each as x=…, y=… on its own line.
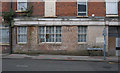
x=114, y=15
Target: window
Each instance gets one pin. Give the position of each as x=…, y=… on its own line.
x=82, y=8
x=112, y=8
x=82, y=33
x=22, y=34
x=21, y=5
x=50, y=34
x=4, y=35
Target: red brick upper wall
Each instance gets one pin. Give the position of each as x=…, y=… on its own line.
x=66, y=9
x=96, y=8
x=5, y=6
x=63, y=8
x=38, y=8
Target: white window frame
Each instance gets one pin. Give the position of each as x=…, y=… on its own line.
x=46, y=33
x=6, y=43
x=21, y=1
x=111, y=1
x=82, y=2
x=84, y=42
x=18, y=35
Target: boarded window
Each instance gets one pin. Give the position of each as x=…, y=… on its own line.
x=50, y=8
x=111, y=8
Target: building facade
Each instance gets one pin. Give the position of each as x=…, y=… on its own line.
x=56, y=25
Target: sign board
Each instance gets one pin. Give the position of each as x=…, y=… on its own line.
x=94, y=48
x=104, y=32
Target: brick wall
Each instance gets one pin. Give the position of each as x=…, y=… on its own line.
x=69, y=39
x=97, y=8
x=4, y=49
x=66, y=9
x=14, y=5
x=63, y=8
x=19, y=47
x=5, y=6
x=68, y=43
x=112, y=45
x=38, y=8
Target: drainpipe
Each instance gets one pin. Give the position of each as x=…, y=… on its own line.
x=10, y=30
x=105, y=34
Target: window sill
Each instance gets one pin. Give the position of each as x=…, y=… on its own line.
x=82, y=16
x=20, y=11
x=51, y=43
x=2, y=44
x=111, y=15
x=82, y=43
x=22, y=43
x=50, y=16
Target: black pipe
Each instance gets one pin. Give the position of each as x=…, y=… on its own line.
x=10, y=29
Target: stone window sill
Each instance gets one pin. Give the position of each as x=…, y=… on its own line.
x=2, y=44
x=54, y=43
x=80, y=43
x=111, y=15
x=50, y=16
x=22, y=43
x=81, y=16
x=20, y=11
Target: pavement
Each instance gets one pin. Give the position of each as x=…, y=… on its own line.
x=61, y=57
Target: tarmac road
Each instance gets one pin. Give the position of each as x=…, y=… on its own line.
x=55, y=65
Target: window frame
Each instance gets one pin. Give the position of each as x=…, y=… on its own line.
x=46, y=33
x=5, y=43
x=84, y=42
x=20, y=34
x=78, y=2
x=21, y=1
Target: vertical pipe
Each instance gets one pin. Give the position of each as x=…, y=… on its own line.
x=10, y=30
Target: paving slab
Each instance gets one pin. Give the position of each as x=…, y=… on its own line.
x=62, y=57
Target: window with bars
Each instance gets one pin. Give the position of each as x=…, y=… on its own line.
x=4, y=35
x=82, y=33
x=82, y=8
x=50, y=34
x=22, y=35
x=21, y=5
